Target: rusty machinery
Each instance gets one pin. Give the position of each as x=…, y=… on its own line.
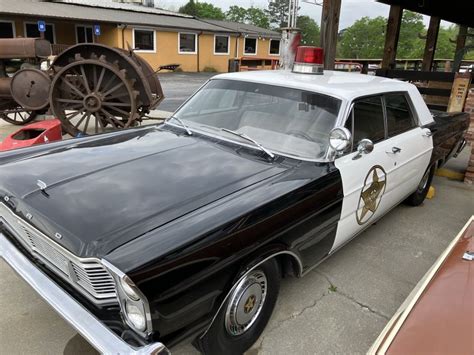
x=90, y=87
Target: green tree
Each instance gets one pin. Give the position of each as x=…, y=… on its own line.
x=364, y=39
x=189, y=9
x=257, y=17
x=444, y=47
x=277, y=13
x=236, y=14
x=410, y=45
x=202, y=10
x=252, y=15
x=310, y=32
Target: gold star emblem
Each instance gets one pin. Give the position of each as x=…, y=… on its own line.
x=249, y=304
x=371, y=196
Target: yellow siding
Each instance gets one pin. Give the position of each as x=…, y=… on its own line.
x=166, y=45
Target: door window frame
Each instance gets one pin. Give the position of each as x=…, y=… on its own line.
x=382, y=95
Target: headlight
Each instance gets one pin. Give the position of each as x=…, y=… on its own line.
x=128, y=290
x=136, y=316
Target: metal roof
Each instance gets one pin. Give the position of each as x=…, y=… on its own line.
x=244, y=28
x=68, y=11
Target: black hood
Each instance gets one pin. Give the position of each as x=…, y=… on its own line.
x=104, y=193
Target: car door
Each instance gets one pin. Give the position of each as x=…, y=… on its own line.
x=366, y=178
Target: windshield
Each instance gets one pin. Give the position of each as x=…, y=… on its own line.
x=288, y=121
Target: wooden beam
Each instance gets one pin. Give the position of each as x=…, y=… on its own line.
x=461, y=40
x=391, y=36
x=329, y=30
x=430, y=45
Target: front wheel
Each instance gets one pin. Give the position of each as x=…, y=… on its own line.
x=417, y=198
x=245, y=314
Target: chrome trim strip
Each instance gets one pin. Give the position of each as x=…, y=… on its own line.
x=95, y=332
x=287, y=252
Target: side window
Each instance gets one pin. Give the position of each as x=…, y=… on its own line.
x=368, y=120
x=399, y=116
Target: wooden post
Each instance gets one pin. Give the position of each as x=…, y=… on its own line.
x=391, y=36
x=329, y=30
x=461, y=40
x=430, y=46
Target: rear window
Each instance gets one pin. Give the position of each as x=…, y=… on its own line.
x=399, y=116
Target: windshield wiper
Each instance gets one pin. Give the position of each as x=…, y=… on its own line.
x=188, y=131
x=244, y=136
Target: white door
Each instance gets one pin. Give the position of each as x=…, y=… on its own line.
x=375, y=182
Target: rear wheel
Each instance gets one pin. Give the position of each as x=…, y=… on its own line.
x=243, y=318
x=417, y=198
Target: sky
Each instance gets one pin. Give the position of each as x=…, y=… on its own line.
x=351, y=10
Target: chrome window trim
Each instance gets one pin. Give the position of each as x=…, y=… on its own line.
x=68, y=255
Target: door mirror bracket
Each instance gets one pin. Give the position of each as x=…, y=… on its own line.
x=365, y=146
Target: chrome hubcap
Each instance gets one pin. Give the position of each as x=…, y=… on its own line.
x=424, y=181
x=246, y=302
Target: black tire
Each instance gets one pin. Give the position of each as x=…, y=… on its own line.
x=417, y=198
x=218, y=340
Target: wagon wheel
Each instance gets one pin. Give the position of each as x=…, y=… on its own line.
x=90, y=94
x=18, y=116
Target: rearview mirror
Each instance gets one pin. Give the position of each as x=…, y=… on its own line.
x=365, y=146
x=339, y=139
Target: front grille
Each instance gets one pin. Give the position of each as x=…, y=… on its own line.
x=88, y=275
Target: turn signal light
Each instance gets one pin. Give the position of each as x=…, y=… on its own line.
x=309, y=60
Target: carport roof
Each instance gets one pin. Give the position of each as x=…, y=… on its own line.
x=70, y=11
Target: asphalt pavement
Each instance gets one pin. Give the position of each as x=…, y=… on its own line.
x=340, y=307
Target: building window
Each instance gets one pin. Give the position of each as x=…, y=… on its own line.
x=31, y=30
x=144, y=40
x=84, y=34
x=187, y=43
x=7, y=29
x=221, y=44
x=250, y=46
x=274, y=47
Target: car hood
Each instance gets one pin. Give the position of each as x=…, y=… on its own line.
x=103, y=193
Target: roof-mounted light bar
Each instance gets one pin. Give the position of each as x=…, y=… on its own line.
x=309, y=60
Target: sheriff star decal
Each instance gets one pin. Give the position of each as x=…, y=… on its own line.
x=371, y=195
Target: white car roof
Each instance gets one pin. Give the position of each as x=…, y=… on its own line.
x=342, y=85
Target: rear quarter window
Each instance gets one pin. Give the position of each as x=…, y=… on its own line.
x=399, y=115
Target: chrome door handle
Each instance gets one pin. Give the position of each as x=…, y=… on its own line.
x=394, y=150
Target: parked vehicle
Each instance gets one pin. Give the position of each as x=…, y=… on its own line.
x=437, y=317
x=184, y=229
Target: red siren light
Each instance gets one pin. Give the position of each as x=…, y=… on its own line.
x=309, y=60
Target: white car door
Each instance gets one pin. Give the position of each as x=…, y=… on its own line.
x=376, y=181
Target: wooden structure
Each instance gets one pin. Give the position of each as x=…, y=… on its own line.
x=329, y=30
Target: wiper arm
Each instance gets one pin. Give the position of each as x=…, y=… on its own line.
x=244, y=136
x=188, y=131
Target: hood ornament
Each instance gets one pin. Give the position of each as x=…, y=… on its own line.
x=42, y=185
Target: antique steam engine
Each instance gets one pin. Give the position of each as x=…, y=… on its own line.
x=89, y=87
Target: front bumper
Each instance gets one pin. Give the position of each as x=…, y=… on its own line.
x=94, y=331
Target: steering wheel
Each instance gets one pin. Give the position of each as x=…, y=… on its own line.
x=300, y=134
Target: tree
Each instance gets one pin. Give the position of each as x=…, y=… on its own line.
x=236, y=14
x=410, y=45
x=444, y=47
x=252, y=15
x=309, y=31
x=257, y=17
x=189, y=9
x=277, y=13
x=202, y=10
x=364, y=39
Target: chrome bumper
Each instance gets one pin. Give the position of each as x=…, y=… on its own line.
x=95, y=332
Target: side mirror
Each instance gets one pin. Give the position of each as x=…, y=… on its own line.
x=339, y=139
x=365, y=146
